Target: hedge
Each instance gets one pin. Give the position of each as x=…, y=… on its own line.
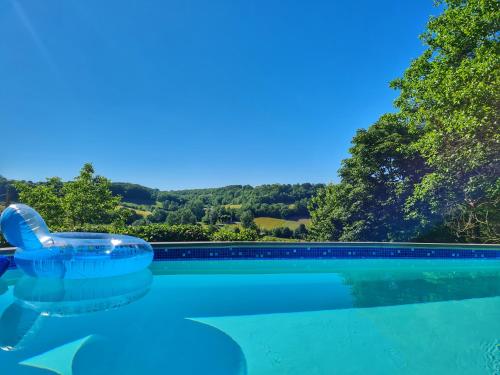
x=150, y=233
x=224, y=234
x=164, y=232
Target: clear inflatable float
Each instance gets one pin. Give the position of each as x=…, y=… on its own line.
x=71, y=255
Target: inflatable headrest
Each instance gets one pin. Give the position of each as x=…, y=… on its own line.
x=23, y=227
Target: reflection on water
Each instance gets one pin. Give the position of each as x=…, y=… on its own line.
x=17, y=326
x=3, y=287
x=66, y=297
x=35, y=298
x=49, y=323
x=215, y=318
x=422, y=287
x=292, y=286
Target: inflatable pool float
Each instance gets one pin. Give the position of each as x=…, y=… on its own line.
x=4, y=264
x=71, y=255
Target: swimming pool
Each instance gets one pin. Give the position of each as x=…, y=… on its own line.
x=371, y=315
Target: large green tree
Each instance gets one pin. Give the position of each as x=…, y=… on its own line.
x=450, y=95
x=247, y=220
x=446, y=126
x=88, y=199
x=45, y=198
x=85, y=200
x=376, y=181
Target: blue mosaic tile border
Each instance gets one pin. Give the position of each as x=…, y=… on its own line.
x=327, y=252
x=313, y=252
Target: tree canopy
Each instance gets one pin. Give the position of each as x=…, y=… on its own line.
x=219, y=205
x=436, y=162
x=376, y=182
x=85, y=200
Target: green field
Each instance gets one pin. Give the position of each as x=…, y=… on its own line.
x=139, y=211
x=143, y=213
x=271, y=222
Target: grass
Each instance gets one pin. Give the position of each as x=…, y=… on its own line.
x=271, y=222
x=139, y=211
x=233, y=206
x=278, y=239
x=143, y=213
x=306, y=222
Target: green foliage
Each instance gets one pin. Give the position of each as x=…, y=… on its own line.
x=45, y=198
x=87, y=204
x=134, y=193
x=218, y=205
x=240, y=194
x=219, y=215
x=282, y=232
x=183, y=216
x=246, y=219
x=228, y=234
x=174, y=233
x=158, y=216
x=150, y=232
x=85, y=200
x=88, y=199
x=301, y=232
x=478, y=221
x=197, y=207
x=271, y=223
x=327, y=215
x=451, y=95
x=276, y=239
x=436, y=163
x=377, y=180
x=211, y=206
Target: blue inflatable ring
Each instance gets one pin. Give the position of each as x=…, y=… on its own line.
x=71, y=255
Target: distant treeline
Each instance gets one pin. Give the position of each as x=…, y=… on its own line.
x=92, y=203
x=211, y=206
x=219, y=205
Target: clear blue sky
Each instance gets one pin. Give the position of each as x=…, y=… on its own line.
x=195, y=93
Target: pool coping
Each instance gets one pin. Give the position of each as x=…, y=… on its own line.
x=326, y=243
x=206, y=251
x=279, y=244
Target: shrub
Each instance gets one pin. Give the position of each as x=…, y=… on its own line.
x=225, y=234
x=163, y=232
x=150, y=232
x=276, y=239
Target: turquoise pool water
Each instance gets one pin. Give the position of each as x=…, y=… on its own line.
x=258, y=317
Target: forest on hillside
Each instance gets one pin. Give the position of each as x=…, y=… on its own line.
x=278, y=210
x=218, y=205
